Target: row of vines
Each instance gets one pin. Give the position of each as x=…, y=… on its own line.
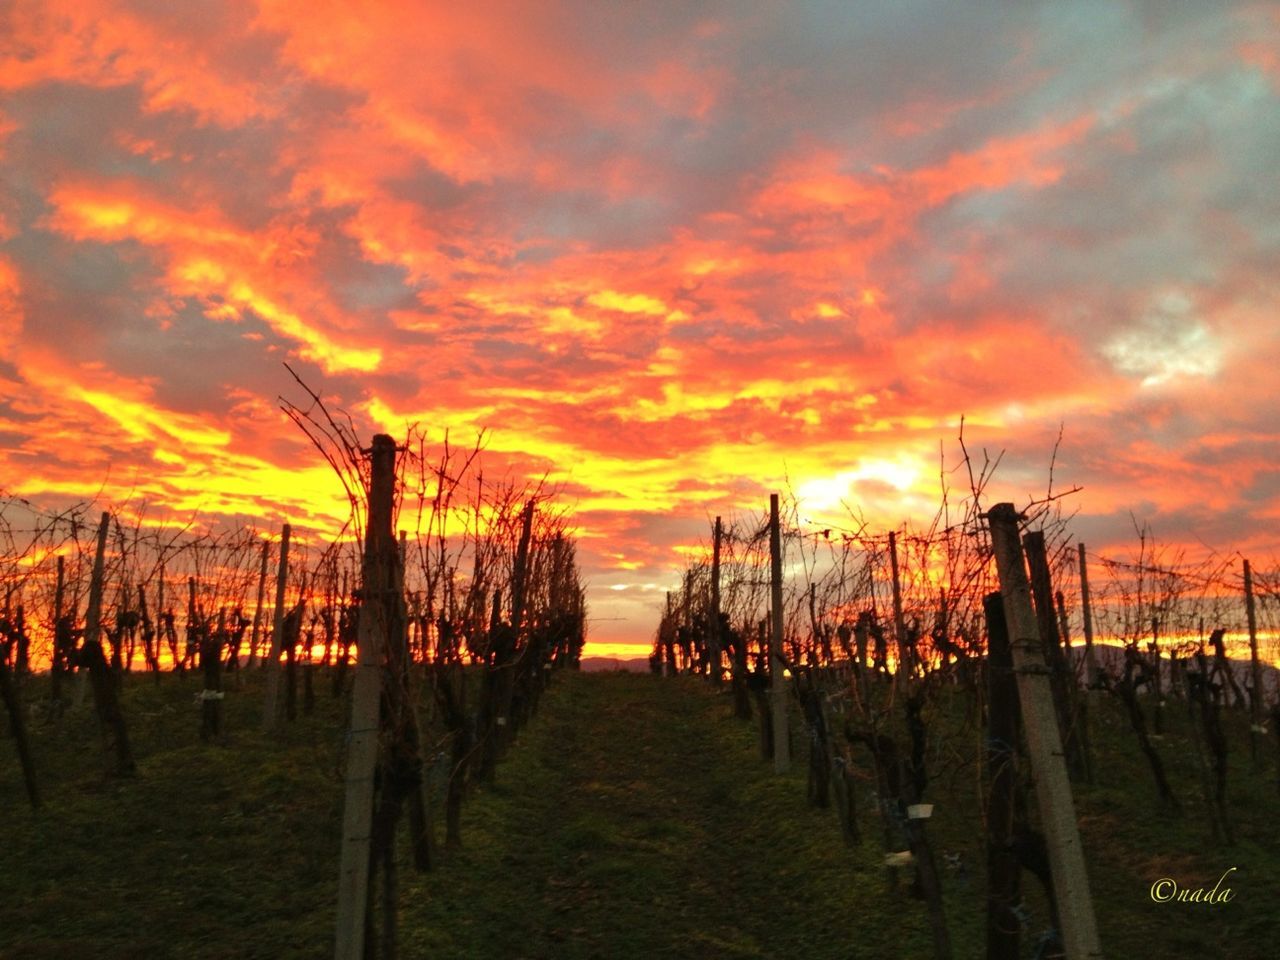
x=439, y=611
x=911, y=684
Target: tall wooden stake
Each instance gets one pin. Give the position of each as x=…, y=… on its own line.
x=1061, y=679
x=9, y=696
x=161, y=618
x=668, y=651
x=520, y=570
x=778, y=683
x=899, y=621
x=362, y=745
x=106, y=701
x=1004, y=887
x=256, y=635
x=814, y=630
x=1086, y=614
x=211, y=642
x=196, y=625
x=271, y=699
x=1157, y=680
x=1080, y=698
x=1255, y=669
x=713, y=636
x=61, y=651
x=1053, y=789
x=686, y=647
x=93, y=614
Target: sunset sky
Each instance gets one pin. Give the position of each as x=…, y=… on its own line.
x=674, y=253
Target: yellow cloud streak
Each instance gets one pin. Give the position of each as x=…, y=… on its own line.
x=143, y=422
x=205, y=273
x=627, y=302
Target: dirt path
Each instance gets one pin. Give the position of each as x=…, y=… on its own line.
x=639, y=821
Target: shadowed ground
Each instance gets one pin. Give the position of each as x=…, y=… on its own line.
x=643, y=823
x=633, y=819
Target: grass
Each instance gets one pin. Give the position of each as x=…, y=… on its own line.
x=636, y=820
x=212, y=851
x=1130, y=841
x=633, y=819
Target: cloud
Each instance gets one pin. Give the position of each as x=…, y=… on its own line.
x=1166, y=342
x=676, y=256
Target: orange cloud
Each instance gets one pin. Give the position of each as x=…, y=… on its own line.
x=209, y=259
x=669, y=262
x=178, y=65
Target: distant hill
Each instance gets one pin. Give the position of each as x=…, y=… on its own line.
x=1111, y=658
x=630, y=664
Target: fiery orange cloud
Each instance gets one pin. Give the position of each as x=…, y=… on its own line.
x=672, y=259
x=210, y=260
x=176, y=63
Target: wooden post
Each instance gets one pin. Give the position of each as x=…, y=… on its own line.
x=1086, y=615
x=163, y=621
x=1157, y=682
x=61, y=651
x=713, y=635
x=1064, y=630
x=1061, y=681
x=508, y=653
x=520, y=570
x=9, y=694
x=150, y=635
x=362, y=744
x=668, y=640
x=110, y=717
x=271, y=698
x=196, y=625
x=1004, y=887
x=1255, y=670
x=1079, y=699
x=402, y=551
x=406, y=754
x=944, y=631
x=899, y=621
x=293, y=635
x=256, y=635
x=1053, y=789
x=1199, y=706
x=778, y=683
x=815, y=639
x=761, y=691
x=93, y=614
x=861, y=636
x=211, y=667
x=685, y=632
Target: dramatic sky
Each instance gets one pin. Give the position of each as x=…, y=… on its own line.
x=674, y=253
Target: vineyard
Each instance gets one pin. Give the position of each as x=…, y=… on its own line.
x=576, y=480
x=914, y=660
x=463, y=622
x=978, y=737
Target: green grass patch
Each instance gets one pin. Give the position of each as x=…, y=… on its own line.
x=633, y=819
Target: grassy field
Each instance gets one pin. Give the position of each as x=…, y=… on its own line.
x=633, y=819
